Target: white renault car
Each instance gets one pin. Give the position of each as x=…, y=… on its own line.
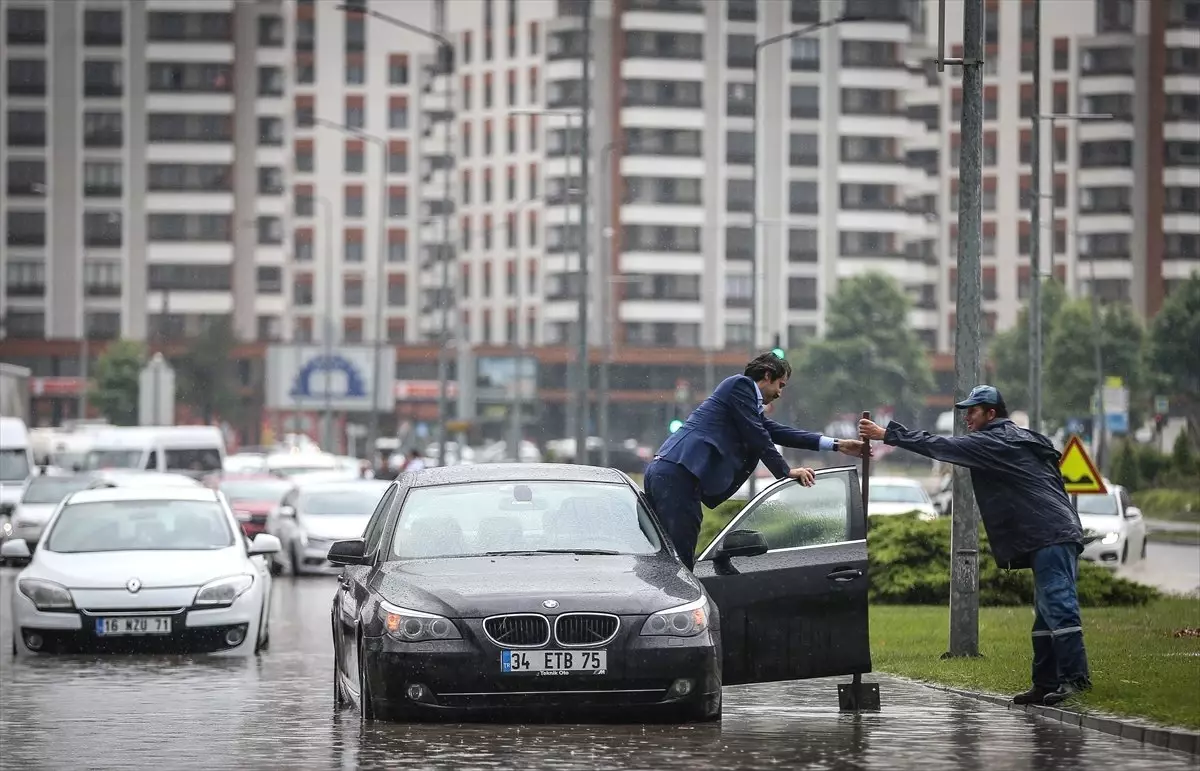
x=1115, y=528
x=142, y=570
x=899, y=495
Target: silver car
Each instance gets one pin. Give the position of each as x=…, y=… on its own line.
x=312, y=516
x=42, y=495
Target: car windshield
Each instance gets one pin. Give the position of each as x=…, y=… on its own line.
x=897, y=494
x=14, y=465
x=357, y=500
x=101, y=459
x=51, y=490
x=140, y=525
x=254, y=490
x=506, y=517
x=1098, y=504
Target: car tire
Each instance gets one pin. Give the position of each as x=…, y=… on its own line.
x=275, y=568
x=339, y=698
x=1145, y=540
x=1125, y=553
x=702, y=711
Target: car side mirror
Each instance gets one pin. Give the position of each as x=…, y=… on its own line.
x=264, y=543
x=351, y=552
x=1132, y=512
x=15, y=549
x=742, y=543
x=287, y=512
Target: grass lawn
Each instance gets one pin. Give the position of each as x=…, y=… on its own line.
x=1169, y=536
x=1139, y=668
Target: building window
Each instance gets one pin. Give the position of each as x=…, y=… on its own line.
x=270, y=180
x=270, y=230
x=26, y=177
x=354, y=160
x=270, y=131
x=102, y=179
x=102, y=129
x=270, y=31
x=398, y=117
x=356, y=73
x=352, y=246
x=26, y=228
x=805, y=101
x=270, y=81
x=26, y=26
x=352, y=292
x=25, y=278
x=398, y=203
x=398, y=70
x=269, y=279
x=397, y=246
x=26, y=128
x=352, y=205
x=102, y=229
x=26, y=325
x=356, y=116
x=26, y=77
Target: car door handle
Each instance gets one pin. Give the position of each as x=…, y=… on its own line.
x=845, y=574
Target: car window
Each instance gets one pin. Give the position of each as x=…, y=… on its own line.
x=379, y=519
x=14, y=465
x=51, y=490
x=485, y=517
x=795, y=516
x=102, y=459
x=202, y=459
x=1097, y=504
x=352, y=500
x=140, y=525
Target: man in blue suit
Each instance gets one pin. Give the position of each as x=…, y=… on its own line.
x=720, y=446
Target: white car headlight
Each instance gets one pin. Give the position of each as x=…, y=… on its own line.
x=415, y=626
x=1111, y=538
x=224, y=591
x=684, y=621
x=46, y=595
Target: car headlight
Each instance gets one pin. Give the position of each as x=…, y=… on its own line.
x=684, y=621
x=46, y=595
x=415, y=626
x=6, y=528
x=224, y=591
x=1111, y=538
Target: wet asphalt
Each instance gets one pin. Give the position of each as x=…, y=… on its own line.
x=276, y=712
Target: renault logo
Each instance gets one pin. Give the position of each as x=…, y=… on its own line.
x=550, y=604
x=133, y=585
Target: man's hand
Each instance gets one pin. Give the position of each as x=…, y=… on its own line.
x=804, y=476
x=851, y=447
x=868, y=430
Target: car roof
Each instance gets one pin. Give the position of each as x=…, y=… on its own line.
x=57, y=471
x=111, y=494
x=512, y=472
x=333, y=485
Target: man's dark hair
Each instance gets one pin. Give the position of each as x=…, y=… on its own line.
x=1001, y=409
x=767, y=365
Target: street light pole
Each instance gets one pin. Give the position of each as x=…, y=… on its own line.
x=380, y=271
x=445, y=60
x=754, y=262
x=582, y=400
x=327, y=210
x=606, y=298
x=1035, y=234
x=514, y=428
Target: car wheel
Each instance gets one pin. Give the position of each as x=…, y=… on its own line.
x=1125, y=553
x=339, y=698
x=275, y=567
x=366, y=707
x=703, y=710
x=1145, y=540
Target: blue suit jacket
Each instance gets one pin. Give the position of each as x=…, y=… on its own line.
x=725, y=437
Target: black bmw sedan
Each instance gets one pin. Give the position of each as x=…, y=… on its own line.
x=551, y=589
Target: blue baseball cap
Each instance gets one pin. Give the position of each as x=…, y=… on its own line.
x=982, y=394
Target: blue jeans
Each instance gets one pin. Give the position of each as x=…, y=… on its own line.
x=1058, y=653
x=674, y=494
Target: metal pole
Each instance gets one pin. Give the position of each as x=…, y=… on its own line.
x=515, y=418
x=380, y=296
x=327, y=209
x=446, y=295
x=1035, y=232
x=605, y=299
x=964, y=570
x=84, y=355
x=754, y=218
x=572, y=334
x=582, y=400
x=1099, y=419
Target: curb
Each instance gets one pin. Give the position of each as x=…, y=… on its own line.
x=1165, y=738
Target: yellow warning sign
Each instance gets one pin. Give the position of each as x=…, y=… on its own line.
x=1078, y=472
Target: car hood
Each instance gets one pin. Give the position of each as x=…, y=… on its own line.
x=476, y=587
x=1102, y=523
x=886, y=509
x=339, y=527
x=34, y=513
x=155, y=569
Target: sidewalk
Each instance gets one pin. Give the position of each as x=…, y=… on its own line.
x=1172, y=527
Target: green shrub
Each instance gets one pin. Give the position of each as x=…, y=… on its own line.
x=714, y=520
x=1167, y=503
x=1182, y=457
x=910, y=565
x=1127, y=468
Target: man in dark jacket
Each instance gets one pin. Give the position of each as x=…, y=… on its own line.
x=1030, y=523
x=721, y=444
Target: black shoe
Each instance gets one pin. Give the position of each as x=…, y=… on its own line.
x=1033, y=696
x=1065, y=691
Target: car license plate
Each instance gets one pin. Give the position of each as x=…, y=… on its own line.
x=131, y=625
x=553, y=662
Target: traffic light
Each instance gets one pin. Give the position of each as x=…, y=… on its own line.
x=675, y=425
x=778, y=349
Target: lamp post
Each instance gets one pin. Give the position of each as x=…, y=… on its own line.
x=327, y=225
x=445, y=59
x=581, y=390
x=606, y=297
x=380, y=270
x=518, y=401
x=758, y=47
x=1035, y=250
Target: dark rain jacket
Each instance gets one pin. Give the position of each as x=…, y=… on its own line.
x=1018, y=487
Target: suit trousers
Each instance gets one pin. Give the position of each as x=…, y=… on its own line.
x=674, y=494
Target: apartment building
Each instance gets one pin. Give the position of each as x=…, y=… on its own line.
x=143, y=172
x=1119, y=195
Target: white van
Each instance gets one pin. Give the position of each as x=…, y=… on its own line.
x=192, y=450
x=16, y=462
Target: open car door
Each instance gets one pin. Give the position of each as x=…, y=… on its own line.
x=796, y=608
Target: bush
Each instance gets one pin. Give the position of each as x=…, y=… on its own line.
x=1169, y=503
x=1126, y=466
x=714, y=520
x=910, y=565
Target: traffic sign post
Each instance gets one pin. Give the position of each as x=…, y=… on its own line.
x=1079, y=473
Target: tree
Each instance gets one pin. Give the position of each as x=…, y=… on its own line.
x=1173, y=352
x=1070, y=361
x=206, y=376
x=870, y=355
x=114, y=386
x=1181, y=455
x=1009, y=351
x=1125, y=468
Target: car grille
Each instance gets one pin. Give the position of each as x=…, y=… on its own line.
x=518, y=630
x=585, y=629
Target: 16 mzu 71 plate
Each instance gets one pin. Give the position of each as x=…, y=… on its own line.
x=554, y=662
x=133, y=625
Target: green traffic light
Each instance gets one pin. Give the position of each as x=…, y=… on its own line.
x=778, y=352
x=675, y=425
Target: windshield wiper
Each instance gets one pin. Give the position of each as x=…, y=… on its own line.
x=550, y=551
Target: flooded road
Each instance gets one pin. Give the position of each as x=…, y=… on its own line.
x=276, y=712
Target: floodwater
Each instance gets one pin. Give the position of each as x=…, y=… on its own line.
x=276, y=712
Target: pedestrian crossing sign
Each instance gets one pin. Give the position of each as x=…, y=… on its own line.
x=1078, y=472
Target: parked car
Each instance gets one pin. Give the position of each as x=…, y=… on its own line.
x=1114, y=527
x=252, y=497
x=899, y=495
x=312, y=516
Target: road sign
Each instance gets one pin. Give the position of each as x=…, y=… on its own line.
x=1162, y=405
x=156, y=393
x=1078, y=472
